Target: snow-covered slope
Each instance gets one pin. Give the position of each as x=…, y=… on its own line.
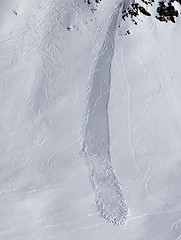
x=90, y=130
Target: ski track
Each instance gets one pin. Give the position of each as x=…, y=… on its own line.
x=109, y=197
x=176, y=227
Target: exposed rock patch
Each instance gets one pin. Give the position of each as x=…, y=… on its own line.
x=135, y=10
x=167, y=12
x=93, y=4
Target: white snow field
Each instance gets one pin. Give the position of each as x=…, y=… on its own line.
x=90, y=121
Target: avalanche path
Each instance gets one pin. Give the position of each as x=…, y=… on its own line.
x=109, y=197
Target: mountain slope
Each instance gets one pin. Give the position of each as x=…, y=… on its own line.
x=90, y=120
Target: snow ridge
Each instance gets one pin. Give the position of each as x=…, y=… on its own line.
x=109, y=197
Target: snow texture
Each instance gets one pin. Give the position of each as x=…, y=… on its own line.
x=78, y=77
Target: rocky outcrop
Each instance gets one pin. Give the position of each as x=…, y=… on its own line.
x=165, y=11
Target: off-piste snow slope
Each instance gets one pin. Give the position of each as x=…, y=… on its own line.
x=90, y=120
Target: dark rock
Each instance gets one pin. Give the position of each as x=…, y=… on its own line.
x=143, y=10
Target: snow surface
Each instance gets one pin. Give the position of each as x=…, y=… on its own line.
x=90, y=130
